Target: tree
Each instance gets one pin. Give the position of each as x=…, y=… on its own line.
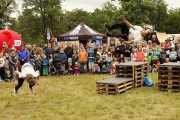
x=6, y=8
x=152, y=12
x=76, y=16
x=108, y=14
x=47, y=12
x=30, y=27
x=172, y=23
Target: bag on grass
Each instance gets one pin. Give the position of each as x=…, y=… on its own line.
x=148, y=82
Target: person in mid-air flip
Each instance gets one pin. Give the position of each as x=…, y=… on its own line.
x=130, y=34
x=27, y=73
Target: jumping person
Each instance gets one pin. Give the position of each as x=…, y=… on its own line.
x=130, y=34
x=27, y=73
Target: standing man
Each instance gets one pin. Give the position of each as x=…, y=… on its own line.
x=69, y=52
x=23, y=55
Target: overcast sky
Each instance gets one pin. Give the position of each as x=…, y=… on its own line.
x=90, y=5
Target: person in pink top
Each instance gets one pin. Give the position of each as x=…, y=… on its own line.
x=140, y=55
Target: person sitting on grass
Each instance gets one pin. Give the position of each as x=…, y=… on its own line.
x=27, y=73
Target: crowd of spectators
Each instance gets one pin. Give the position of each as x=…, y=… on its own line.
x=93, y=59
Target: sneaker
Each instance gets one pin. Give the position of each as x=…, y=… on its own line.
x=107, y=26
x=15, y=93
x=31, y=90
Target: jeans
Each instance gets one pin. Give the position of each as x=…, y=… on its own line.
x=82, y=67
x=12, y=70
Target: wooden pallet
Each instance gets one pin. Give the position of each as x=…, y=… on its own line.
x=169, y=77
x=134, y=70
x=114, y=85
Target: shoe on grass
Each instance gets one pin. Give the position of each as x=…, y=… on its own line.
x=31, y=90
x=15, y=93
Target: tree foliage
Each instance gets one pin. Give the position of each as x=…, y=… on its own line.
x=172, y=23
x=37, y=15
x=6, y=8
x=145, y=12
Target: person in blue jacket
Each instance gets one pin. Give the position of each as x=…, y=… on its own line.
x=23, y=55
x=63, y=58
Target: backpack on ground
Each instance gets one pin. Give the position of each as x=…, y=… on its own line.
x=148, y=82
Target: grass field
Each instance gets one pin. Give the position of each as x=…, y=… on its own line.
x=75, y=98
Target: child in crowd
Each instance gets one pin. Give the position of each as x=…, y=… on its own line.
x=145, y=55
x=109, y=58
x=91, y=59
x=13, y=62
x=173, y=55
x=70, y=69
x=74, y=58
x=112, y=69
x=140, y=55
x=104, y=58
x=96, y=69
x=121, y=58
x=115, y=60
x=163, y=55
x=133, y=56
x=150, y=43
x=38, y=62
x=104, y=69
x=44, y=66
x=157, y=52
x=6, y=68
x=76, y=69
x=154, y=63
x=83, y=56
x=2, y=63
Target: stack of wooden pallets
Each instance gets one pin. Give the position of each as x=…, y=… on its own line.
x=128, y=75
x=114, y=85
x=169, y=77
x=134, y=70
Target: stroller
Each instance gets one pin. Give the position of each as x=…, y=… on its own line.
x=56, y=66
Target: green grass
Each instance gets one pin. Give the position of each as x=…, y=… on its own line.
x=75, y=98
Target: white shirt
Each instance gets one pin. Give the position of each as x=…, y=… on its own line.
x=27, y=69
x=2, y=62
x=135, y=34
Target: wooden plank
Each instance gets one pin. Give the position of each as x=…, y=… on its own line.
x=174, y=64
x=115, y=80
x=131, y=63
